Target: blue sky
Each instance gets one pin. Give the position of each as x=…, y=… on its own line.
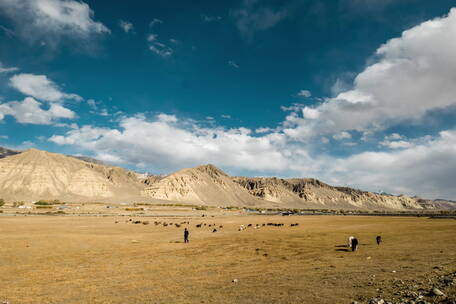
x=354, y=92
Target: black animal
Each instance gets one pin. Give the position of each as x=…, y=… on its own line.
x=198, y=225
x=215, y=230
x=378, y=239
x=354, y=244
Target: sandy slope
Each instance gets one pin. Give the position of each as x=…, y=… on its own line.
x=41, y=174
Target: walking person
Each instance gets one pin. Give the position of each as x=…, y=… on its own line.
x=186, y=234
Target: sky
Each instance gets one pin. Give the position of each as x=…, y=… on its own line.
x=358, y=93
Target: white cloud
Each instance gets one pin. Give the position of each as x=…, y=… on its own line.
x=4, y=69
x=304, y=93
x=252, y=18
x=167, y=143
x=29, y=111
x=126, y=26
x=158, y=47
x=155, y=21
x=397, y=144
x=412, y=75
x=92, y=104
x=233, y=64
x=50, y=20
x=309, y=113
x=426, y=169
x=342, y=135
x=40, y=87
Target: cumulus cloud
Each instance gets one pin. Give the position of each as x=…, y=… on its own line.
x=40, y=87
x=51, y=20
x=126, y=26
x=30, y=111
x=412, y=75
x=252, y=18
x=425, y=169
x=169, y=143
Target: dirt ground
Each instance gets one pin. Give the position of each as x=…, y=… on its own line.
x=71, y=259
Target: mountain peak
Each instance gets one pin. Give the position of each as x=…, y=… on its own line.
x=211, y=170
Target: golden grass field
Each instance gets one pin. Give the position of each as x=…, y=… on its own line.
x=71, y=259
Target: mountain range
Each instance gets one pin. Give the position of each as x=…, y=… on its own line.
x=35, y=174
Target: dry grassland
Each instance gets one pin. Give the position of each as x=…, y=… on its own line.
x=68, y=259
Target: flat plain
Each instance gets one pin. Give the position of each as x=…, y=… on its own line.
x=108, y=259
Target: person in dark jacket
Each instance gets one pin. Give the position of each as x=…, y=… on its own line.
x=354, y=244
x=378, y=239
x=186, y=234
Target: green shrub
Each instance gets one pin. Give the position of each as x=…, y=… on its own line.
x=43, y=207
x=2, y=202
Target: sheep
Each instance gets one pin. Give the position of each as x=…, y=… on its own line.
x=215, y=230
x=199, y=225
x=177, y=225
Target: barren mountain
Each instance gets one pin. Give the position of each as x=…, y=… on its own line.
x=205, y=185
x=309, y=192
x=35, y=174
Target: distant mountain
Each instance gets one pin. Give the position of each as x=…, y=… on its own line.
x=206, y=185
x=35, y=174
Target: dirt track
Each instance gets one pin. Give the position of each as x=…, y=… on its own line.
x=94, y=260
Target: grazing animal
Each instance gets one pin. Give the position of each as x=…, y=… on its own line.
x=215, y=230
x=145, y=223
x=354, y=244
x=136, y=222
x=350, y=238
x=220, y=226
x=378, y=239
x=249, y=225
x=242, y=227
x=198, y=225
x=177, y=225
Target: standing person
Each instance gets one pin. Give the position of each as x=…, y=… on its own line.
x=354, y=244
x=186, y=234
x=378, y=239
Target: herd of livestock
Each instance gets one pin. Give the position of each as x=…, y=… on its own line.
x=353, y=242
